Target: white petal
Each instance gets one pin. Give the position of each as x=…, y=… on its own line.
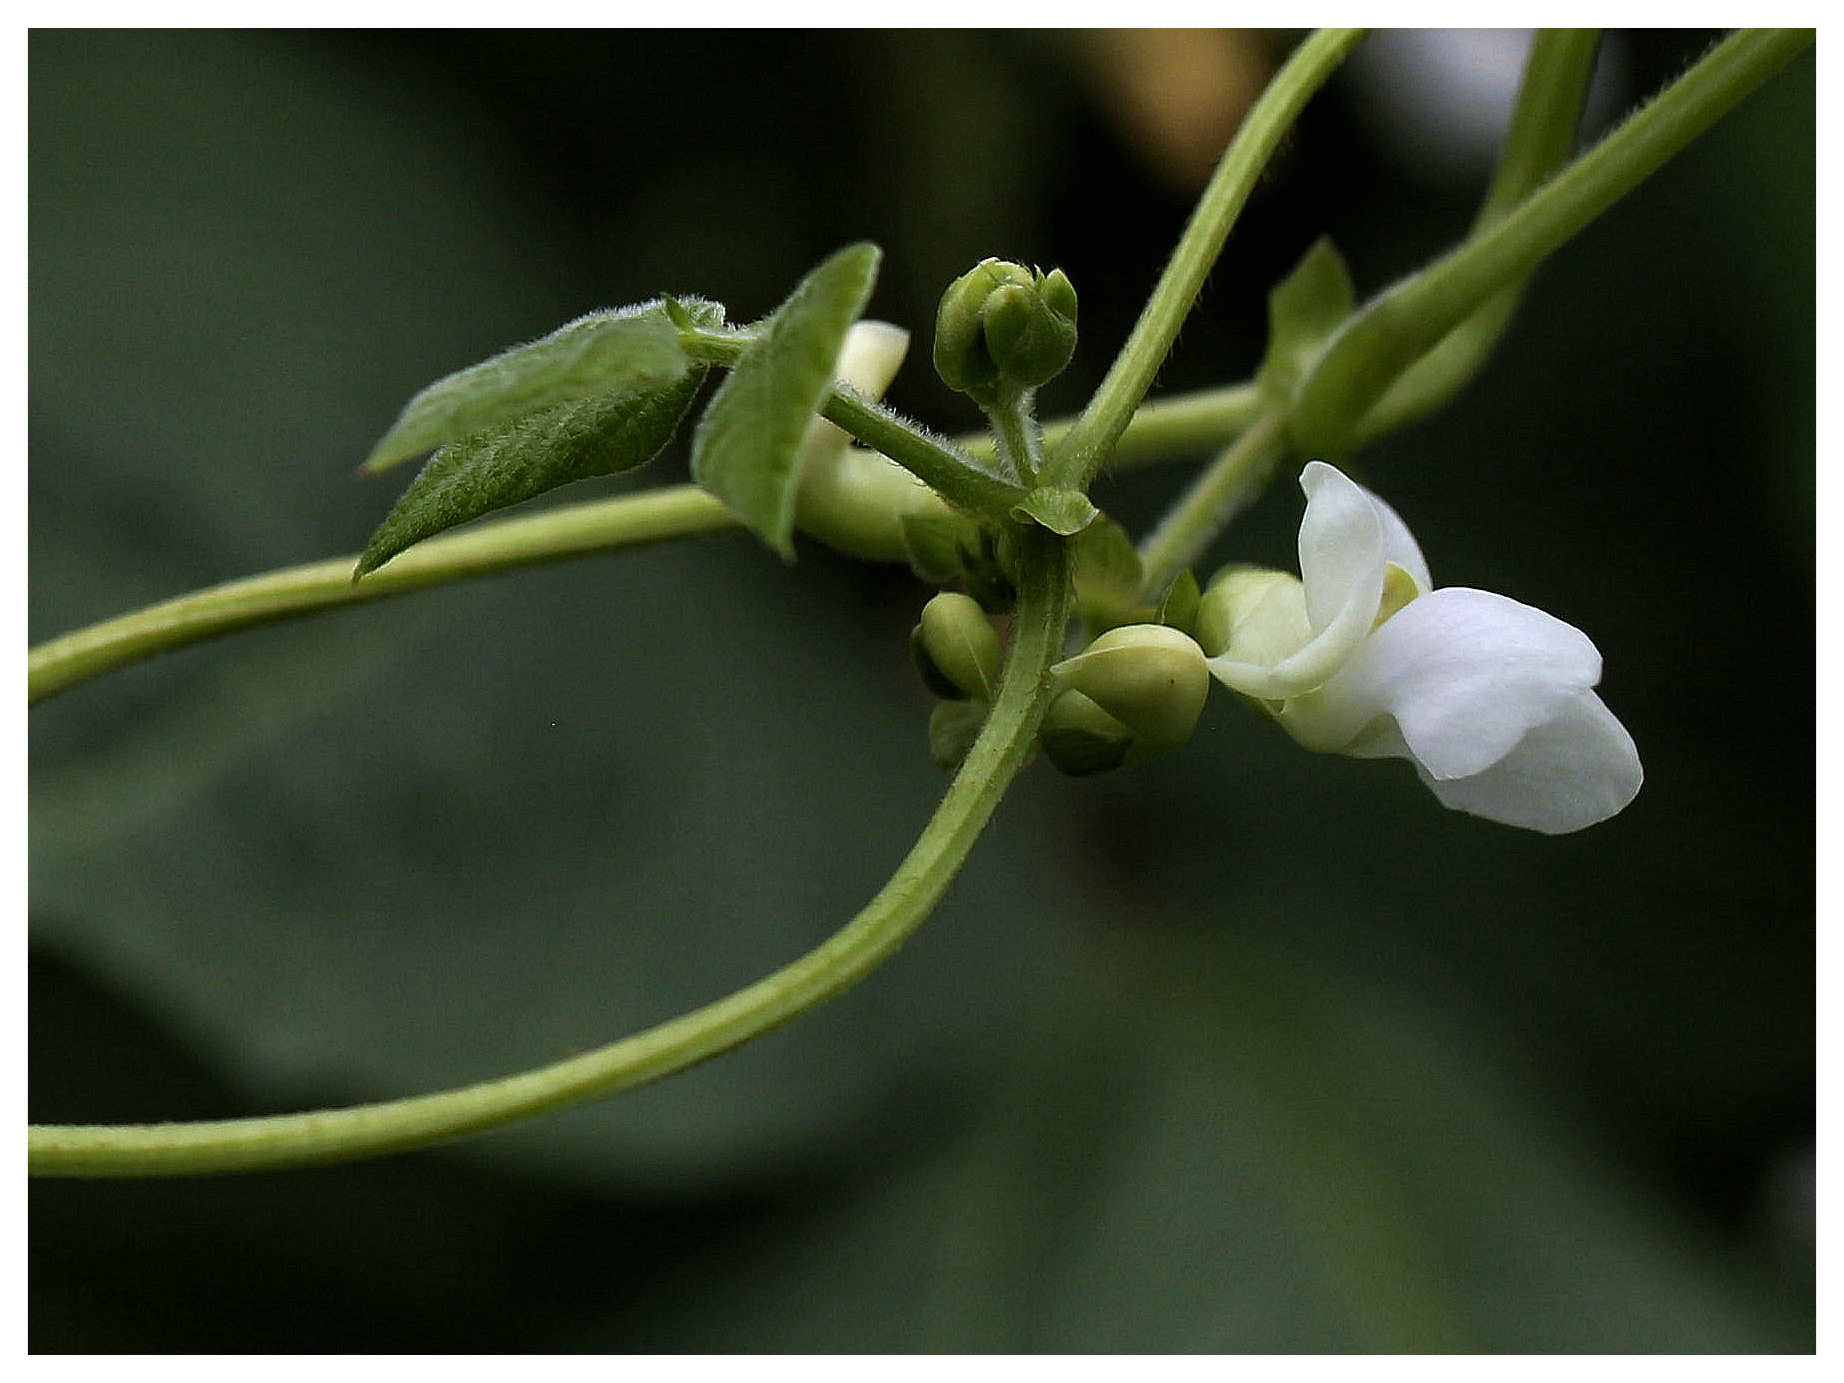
x=1341, y=563
x=870, y=356
x=1466, y=674
x=1399, y=545
x=1341, y=548
x=1573, y=770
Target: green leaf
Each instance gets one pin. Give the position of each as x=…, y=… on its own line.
x=540, y=451
x=1064, y=512
x=630, y=350
x=747, y=448
x=1107, y=576
x=1304, y=309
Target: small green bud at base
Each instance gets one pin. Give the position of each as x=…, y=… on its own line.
x=1151, y=679
x=956, y=647
x=1081, y=739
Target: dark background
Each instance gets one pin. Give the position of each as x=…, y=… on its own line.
x=1246, y=1050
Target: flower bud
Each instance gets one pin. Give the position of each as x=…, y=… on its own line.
x=1254, y=613
x=1003, y=329
x=1151, y=679
x=956, y=648
x=1079, y=738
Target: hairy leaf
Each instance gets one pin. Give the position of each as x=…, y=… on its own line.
x=540, y=451
x=747, y=448
x=630, y=350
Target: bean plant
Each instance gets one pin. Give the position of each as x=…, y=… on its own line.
x=1054, y=634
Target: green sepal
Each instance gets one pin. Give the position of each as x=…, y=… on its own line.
x=952, y=729
x=1063, y=512
x=1304, y=310
x=491, y=470
x=1081, y=739
x=746, y=450
x=1107, y=576
x=1178, y=607
x=631, y=350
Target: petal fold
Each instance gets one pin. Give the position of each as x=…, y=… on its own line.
x=1577, y=768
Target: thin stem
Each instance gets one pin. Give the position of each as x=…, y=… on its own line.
x=1230, y=484
x=1165, y=429
x=848, y=956
x=1086, y=448
x=1402, y=324
x=678, y=511
x=952, y=474
x=1019, y=439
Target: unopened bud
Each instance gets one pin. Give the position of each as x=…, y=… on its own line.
x=1255, y=613
x=956, y=649
x=1079, y=738
x=1003, y=329
x=1151, y=679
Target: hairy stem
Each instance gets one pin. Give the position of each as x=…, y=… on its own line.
x=1088, y=444
x=864, y=943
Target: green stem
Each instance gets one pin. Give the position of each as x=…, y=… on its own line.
x=952, y=474
x=1183, y=425
x=1401, y=325
x=1019, y=438
x=1540, y=141
x=1087, y=446
x=1230, y=484
x=848, y=956
x=653, y=516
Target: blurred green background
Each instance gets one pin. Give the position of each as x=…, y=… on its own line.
x=1246, y=1050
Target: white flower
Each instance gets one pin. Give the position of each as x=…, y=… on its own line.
x=1492, y=701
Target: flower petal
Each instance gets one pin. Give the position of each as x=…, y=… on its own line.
x=1466, y=675
x=1399, y=545
x=1342, y=556
x=1575, y=769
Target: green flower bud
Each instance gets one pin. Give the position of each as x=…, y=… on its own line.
x=1003, y=329
x=956, y=649
x=1151, y=679
x=1079, y=738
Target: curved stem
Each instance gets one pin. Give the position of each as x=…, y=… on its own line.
x=848, y=956
x=678, y=511
x=1235, y=479
x=1086, y=448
